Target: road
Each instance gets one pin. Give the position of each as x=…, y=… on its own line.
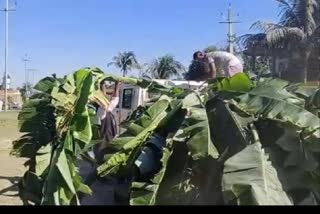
x=11, y=168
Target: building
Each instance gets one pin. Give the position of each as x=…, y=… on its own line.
x=8, y=82
x=14, y=98
x=288, y=65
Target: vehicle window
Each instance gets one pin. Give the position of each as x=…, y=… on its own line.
x=127, y=98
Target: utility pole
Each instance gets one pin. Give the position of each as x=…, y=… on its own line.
x=6, y=55
x=231, y=35
x=26, y=59
x=32, y=79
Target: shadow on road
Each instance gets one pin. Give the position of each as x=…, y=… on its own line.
x=13, y=188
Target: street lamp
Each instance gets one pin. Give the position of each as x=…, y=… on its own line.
x=6, y=10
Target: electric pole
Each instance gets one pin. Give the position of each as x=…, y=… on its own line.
x=32, y=79
x=6, y=55
x=26, y=59
x=231, y=35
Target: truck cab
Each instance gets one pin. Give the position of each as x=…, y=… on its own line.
x=131, y=97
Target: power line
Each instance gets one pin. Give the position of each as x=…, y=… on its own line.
x=231, y=35
x=6, y=55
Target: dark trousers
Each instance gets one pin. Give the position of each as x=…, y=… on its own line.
x=108, y=131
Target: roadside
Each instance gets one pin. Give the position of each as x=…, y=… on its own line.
x=11, y=168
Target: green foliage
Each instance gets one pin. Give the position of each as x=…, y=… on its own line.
x=165, y=67
x=57, y=128
x=126, y=61
x=233, y=142
x=25, y=91
x=250, y=179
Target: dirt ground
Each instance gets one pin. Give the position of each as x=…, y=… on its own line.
x=11, y=168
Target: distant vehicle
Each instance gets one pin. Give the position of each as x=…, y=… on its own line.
x=14, y=106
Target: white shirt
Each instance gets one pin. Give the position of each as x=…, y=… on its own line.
x=113, y=103
x=222, y=59
x=101, y=113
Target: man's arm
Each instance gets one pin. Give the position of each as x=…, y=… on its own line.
x=116, y=90
x=115, y=97
x=93, y=100
x=212, y=68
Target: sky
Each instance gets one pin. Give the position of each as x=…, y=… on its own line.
x=61, y=36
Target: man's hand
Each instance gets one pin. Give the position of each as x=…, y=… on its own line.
x=118, y=83
x=92, y=99
x=116, y=89
x=209, y=59
x=212, y=67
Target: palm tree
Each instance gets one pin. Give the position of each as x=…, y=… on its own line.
x=165, y=67
x=126, y=61
x=297, y=32
x=213, y=48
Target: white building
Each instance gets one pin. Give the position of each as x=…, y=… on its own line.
x=8, y=81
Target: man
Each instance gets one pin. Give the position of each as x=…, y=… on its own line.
x=108, y=128
x=103, y=189
x=220, y=61
x=199, y=68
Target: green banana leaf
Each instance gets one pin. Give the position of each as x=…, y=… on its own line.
x=275, y=103
x=147, y=193
x=124, y=158
x=213, y=154
x=228, y=129
x=197, y=135
x=238, y=83
x=175, y=186
x=156, y=190
x=250, y=179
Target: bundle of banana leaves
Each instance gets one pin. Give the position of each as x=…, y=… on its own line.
x=232, y=142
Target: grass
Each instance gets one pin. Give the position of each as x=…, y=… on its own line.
x=9, y=130
x=8, y=120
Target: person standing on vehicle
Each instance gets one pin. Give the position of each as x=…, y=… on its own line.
x=222, y=61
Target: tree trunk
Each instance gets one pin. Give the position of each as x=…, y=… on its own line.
x=274, y=63
x=253, y=63
x=306, y=57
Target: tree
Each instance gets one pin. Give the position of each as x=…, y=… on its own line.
x=261, y=64
x=297, y=32
x=165, y=67
x=213, y=48
x=126, y=61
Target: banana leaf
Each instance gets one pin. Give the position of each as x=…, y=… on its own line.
x=274, y=103
x=250, y=179
x=123, y=159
